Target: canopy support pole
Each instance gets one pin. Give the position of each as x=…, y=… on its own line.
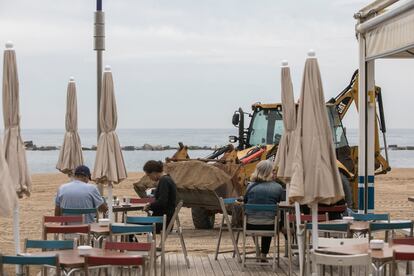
x=110, y=201
x=16, y=235
x=300, y=237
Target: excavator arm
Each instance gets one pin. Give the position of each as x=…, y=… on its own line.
x=343, y=102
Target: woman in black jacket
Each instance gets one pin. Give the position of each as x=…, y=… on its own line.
x=165, y=193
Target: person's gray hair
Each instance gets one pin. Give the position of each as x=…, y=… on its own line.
x=263, y=172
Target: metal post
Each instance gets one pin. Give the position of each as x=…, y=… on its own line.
x=371, y=135
x=99, y=47
x=362, y=184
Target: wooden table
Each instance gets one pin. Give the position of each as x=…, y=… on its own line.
x=379, y=257
x=71, y=261
x=127, y=208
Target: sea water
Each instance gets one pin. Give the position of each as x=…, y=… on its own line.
x=45, y=161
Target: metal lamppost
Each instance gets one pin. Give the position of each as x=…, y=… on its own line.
x=99, y=47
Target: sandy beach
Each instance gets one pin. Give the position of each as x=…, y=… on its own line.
x=392, y=191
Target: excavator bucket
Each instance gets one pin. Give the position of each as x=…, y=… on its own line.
x=199, y=184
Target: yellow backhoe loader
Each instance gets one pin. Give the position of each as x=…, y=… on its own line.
x=225, y=172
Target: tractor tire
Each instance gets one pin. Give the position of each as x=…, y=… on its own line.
x=202, y=218
x=347, y=190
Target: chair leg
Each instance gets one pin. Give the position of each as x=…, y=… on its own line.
x=244, y=251
x=237, y=247
x=180, y=233
x=219, y=239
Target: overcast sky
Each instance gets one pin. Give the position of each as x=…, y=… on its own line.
x=186, y=63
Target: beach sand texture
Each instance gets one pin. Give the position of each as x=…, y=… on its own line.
x=392, y=191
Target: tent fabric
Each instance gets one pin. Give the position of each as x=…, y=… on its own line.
x=315, y=176
x=393, y=38
x=283, y=160
x=70, y=155
x=14, y=149
x=109, y=162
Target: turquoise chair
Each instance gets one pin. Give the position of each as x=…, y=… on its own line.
x=248, y=209
x=153, y=220
x=371, y=217
x=49, y=244
x=390, y=226
x=51, y=261
x=80, y=211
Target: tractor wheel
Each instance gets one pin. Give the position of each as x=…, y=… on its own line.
x=347, y=190
x=202, y=218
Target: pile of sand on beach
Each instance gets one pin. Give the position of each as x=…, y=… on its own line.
x=391, y=190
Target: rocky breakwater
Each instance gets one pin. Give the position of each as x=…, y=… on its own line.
x=146, y=147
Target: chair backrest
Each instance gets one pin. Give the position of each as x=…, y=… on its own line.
x=122, y=229
x=79, y=211
x=229, y=200
x=330, y=227
x=342, y=260
x=336, y=242
x=146, y=220
x=403, y=256
x=381, y=226
x=128, y=246
x=405, y=241
x=371, y=217
x=49, y=245
x=142, y=200
x=63, y=219
x=65, y=229
x=30, y=260
x=306, y=218
x=261, y=207
x=332, y=209
x=115, y=260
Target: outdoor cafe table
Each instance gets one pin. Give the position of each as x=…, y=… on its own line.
x=127, y=208
x=379, y=257
x=70, y=260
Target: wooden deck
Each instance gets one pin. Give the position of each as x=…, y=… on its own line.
x=201, y=265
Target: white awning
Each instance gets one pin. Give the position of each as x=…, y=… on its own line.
x=391, y=34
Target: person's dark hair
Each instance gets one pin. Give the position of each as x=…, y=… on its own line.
x=153, y=166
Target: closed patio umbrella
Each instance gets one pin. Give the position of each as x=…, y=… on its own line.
x=315, y=176
x=70, y=155
x=15, y=172
x=109, y=163
x=283, y=160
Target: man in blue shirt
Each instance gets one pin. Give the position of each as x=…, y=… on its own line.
x=78, y=194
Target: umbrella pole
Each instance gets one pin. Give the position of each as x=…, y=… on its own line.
x=16, y=235
x=299, y=236
x=315, y=233
x=110, y=199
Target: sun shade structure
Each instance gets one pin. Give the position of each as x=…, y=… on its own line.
x=14, y=173
x=384, y=30
x=283, y=161
x=109, y=163
x=70, y=155
x=315, y=176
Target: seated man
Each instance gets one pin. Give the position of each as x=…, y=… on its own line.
x=78, y=194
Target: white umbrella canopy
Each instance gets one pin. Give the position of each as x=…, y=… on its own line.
x=14, y=149
x=315, y=176
x=283, y=160
x=70, y=155
x=109, y=163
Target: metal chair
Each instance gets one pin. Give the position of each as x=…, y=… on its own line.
x=49, y=261
x=142, y=200
x=153, y=220
x=390, y=226
x=147, y=249
x=68, y=229
x=106, y=262
x=371, y=217
x=226, y=224
x=175, y=220
x=399, y=256
x=81, y=211
x=342, y=261
x=292, y=240
x=125, y=230
x=261, y=233
x=63, y=219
